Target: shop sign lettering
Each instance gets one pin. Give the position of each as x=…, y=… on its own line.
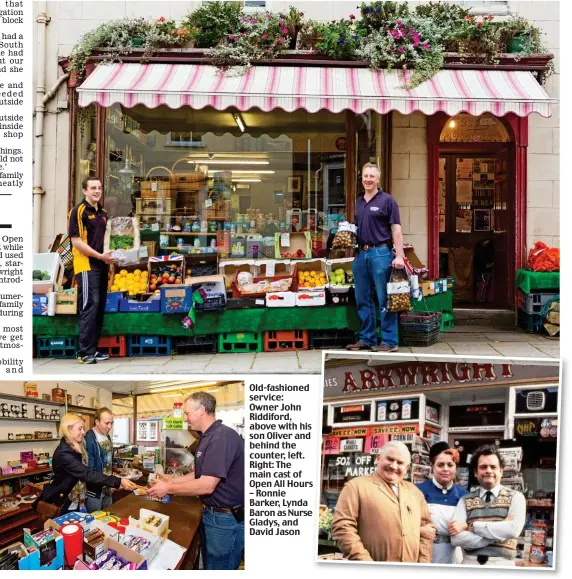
x=389, y=377
x=350, y=432
x=331, y=445
x=357, y=464
x=171, y=423
x=398, y=429
x=403, y=437
x=526, y=427
x=351, y=445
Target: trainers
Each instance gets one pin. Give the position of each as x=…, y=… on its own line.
x=358, y=346
x=384, y=348
x=87, y=360
x=101, y=357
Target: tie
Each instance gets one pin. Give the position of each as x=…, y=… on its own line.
x=482, y=559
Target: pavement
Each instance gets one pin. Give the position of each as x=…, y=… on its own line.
x=461, y=340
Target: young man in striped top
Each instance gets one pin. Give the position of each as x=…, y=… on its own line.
x=86, y=228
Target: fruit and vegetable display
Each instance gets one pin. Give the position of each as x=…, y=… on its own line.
x=135, y=282
x=299, y=254
x=266, y=286
x=168, y=274
x=40, y=275
x=340, y=276
x=309, y=279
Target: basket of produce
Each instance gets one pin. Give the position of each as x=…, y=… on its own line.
x=419, y=328
x=258, y=287
x=398, y=292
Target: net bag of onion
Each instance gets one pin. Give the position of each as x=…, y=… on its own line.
x=345, y=237
x=398, y=292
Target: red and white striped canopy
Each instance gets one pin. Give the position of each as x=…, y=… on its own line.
x=313, y=88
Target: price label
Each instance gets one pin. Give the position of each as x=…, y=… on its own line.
x=172, y=423
x=154, y=186
x=270, y=269
x=285, y=240
x=208, y=203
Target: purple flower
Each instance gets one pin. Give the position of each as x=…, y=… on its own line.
x=231, y=36
x=426, y=46
x=378, y=9
x=282, y=39
x=265, y=35
x=285, y=31
x=352, y=17
x=282, y=15
x=401, y=49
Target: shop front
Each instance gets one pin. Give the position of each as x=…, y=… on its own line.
x=253, y=175
x=514, y=407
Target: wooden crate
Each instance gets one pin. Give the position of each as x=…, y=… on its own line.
x=66, y=302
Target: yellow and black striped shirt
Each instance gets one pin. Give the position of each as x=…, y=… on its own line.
x=87, y=223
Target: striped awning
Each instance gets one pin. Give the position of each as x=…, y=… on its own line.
x=313, y=88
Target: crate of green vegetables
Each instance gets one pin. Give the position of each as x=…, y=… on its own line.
x=122, y=238
x=47, y=274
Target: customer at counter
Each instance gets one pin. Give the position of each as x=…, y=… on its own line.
x=219, y=482
x=99, y=447
x=68, y=489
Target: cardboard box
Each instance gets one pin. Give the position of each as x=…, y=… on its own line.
x=40, y=305
x=155, y=542
x=413, y=259
x=333, y=265
x=318, y=265
x=427, y=287
x=311, y=298
x=22, y=553
x=175, y=299
x=296, y=245
x=121, y=550
x=263, y=267
x=281, y=300
x=48, y=557
x=115, y=269
x=441, y=286
x=66, y=302
x=150, y=304
x=162, y=530
x=211, y=284
x=228, y=269
x=31, y=389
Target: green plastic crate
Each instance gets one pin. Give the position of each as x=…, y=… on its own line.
x=236, y=342
x=447, y=321
x=436, y=303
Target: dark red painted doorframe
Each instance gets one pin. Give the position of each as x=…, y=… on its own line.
x=518, y=129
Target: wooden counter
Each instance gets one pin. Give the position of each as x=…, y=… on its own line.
x=184, y=517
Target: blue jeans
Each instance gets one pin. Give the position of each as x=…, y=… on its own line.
x=372, y=270
x=222, y=540
x=97, y=504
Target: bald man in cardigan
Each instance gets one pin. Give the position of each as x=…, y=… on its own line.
x=379, y=517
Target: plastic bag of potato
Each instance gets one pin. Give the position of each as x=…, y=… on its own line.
x=345, y=237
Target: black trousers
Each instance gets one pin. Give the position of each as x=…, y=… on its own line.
x=92, y=294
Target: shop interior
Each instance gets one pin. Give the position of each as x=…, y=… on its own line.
x=149, y=436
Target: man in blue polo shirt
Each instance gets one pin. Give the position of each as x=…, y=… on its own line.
x=219, y=482
x=377, y=218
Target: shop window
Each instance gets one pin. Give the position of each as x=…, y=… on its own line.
x=432, y=412
x=249, y=173
x=351, y=413
x=86, y=153
x=465, y=128
x=477, y=415
x=393, y=410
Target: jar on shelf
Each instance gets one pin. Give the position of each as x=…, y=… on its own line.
x=175, y=469
x=196, y=227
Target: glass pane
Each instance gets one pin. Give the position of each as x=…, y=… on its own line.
x=86, y=162
x=226, y=181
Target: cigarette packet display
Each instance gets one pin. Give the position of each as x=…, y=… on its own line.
x=154, y=523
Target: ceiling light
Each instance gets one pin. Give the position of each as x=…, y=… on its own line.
x=452, y=124
x=238, y=120
x=244, y=171
x=231, y=162
x=247, y=180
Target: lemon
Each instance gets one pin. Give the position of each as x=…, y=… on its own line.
x=123, y=288
x=132, y=292
x=123, y=272
x=137, y=272
x=114, y=288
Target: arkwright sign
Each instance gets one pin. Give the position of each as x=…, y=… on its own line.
x=356, y=380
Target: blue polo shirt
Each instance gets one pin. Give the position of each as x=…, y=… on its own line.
x=374, y=219
x=221, y=454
